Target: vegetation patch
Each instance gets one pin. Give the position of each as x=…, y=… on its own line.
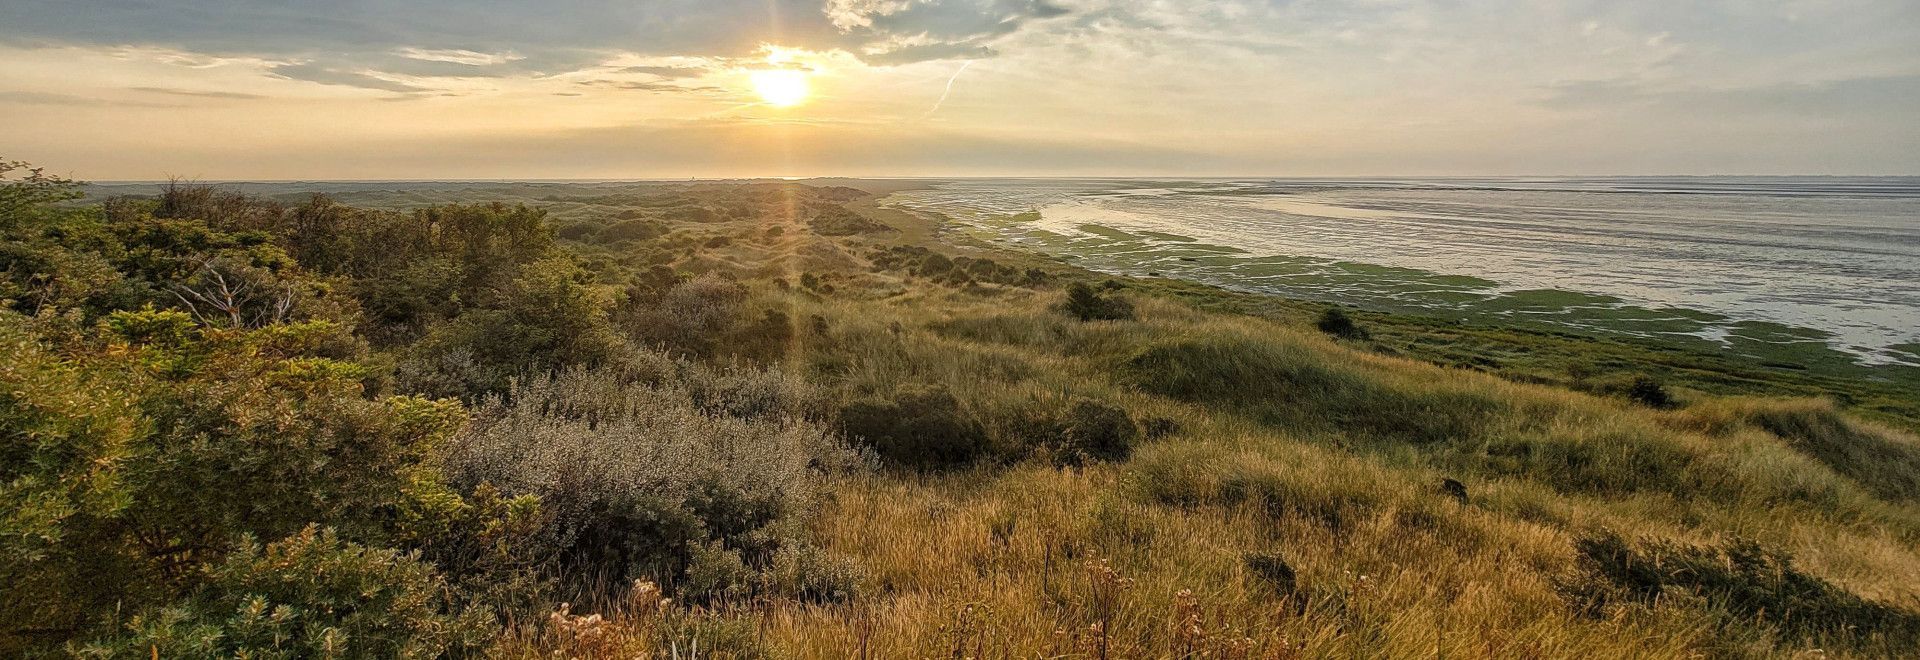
x=920, y=427
x=1289, y=384
x=1747, y=582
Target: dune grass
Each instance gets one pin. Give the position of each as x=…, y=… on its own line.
x=752, y=425
x=1297, y=510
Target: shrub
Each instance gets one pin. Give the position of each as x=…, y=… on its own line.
x=580, y=231
x=634, y=477
x=1335, y=322
x=1649, y=392
x=1086, y=304
x=1096, y=431
x=550, y=317
x=308, y=596
x=68, y=434
x=765, y=340
x=920, y=427
x=691, y=316
x=483, y=542
x=632, y=230
x=934, y=265
x=808, y=573
x=715, y=573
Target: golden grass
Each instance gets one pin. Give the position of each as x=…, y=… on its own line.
x=1148, y=558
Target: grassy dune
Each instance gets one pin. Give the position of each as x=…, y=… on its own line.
x=772, y=420
x=1297, y=510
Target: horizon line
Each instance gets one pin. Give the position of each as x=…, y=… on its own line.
x=789, y=178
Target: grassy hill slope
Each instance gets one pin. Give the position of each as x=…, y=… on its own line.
x=775, y=420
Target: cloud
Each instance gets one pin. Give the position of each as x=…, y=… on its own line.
x=530, y=36
x=666, y=71
x=647, y=86
x=752, y=148
x=315, y=73
x=908, y=54
x=49, y=98
x=459, y=56
x=199, y=93
x=1869, y=94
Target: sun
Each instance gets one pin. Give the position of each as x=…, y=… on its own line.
x=781, y=88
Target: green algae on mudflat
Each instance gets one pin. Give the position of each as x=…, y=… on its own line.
x=1398, y=289
x=1108, y=232
x=1175, y=238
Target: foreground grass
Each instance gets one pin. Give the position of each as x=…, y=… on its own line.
x=1297, y=451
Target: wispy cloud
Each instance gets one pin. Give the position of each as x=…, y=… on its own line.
x=315, y=73
x=50, y=98
x=459, y=56
x=201, y=93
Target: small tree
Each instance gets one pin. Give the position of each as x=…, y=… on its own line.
x=1336, y=322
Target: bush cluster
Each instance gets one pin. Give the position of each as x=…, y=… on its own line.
x=638, y=480
x=955, y=271
x=212, y=441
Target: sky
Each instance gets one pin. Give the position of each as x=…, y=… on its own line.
x=563, y=89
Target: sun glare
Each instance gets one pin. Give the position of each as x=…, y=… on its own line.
x=780, y=88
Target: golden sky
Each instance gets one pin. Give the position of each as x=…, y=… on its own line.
x=281, y=89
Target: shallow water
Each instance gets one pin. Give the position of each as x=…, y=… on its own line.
x=1767, y=260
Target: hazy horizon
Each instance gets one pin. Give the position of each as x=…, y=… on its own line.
x=585, y=89
x=1082, y=177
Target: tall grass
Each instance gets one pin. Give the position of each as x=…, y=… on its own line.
x=1294, y=450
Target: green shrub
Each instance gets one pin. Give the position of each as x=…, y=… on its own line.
x=550, y=317
x=184, y=439
x=919, y=427
x=66, y=435
x=311, y=595
x=1335, y=322
x=715, y=574
x=1650, y=393
x=764, y=340
x=632, y=230
x=1086, y=304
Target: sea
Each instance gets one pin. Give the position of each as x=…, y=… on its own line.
x=1741, y=261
